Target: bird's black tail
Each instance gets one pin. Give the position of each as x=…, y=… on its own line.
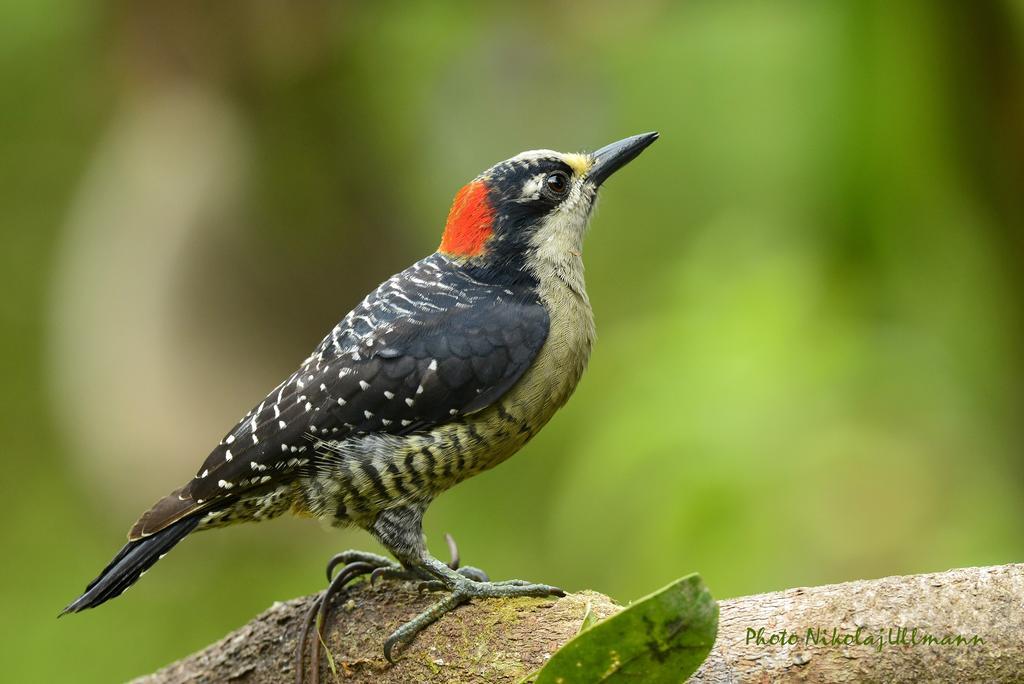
x=130, y=563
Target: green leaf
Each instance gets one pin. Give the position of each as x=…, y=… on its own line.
x=589, y=618
x=662, y=638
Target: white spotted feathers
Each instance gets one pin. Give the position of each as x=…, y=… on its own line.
x=430, y=344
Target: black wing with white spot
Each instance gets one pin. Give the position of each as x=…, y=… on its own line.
x=430, y=344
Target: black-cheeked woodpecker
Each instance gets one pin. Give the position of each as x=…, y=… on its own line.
x=445, y=370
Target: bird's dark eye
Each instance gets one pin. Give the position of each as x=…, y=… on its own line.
x=557, y=183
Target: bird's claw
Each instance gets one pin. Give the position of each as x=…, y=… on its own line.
x=475, y=574
x=390, y=572
x=469, y=572
x=463, y=588
x=464, y=583
x=356, y=564
x=354, y=556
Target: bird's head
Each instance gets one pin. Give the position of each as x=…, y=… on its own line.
x=533, y=206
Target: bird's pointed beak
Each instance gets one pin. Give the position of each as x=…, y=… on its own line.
x=611, y=158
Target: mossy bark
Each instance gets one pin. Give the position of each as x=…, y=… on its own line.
x=498, y=641
x=504, y=640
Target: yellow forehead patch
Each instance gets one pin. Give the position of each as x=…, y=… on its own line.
x=580, y=163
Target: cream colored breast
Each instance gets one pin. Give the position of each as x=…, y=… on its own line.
x=553, y=376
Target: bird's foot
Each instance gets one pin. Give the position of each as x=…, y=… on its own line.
x=356, y=564
x=463, y=588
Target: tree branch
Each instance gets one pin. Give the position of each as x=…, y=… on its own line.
x=499, y=640
x=987, y=602
x=503, y=640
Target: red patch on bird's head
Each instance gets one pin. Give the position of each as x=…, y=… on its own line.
x=470, y=222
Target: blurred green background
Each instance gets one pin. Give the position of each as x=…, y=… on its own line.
x=808, y=292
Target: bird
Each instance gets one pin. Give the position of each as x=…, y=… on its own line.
x=445, y=370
